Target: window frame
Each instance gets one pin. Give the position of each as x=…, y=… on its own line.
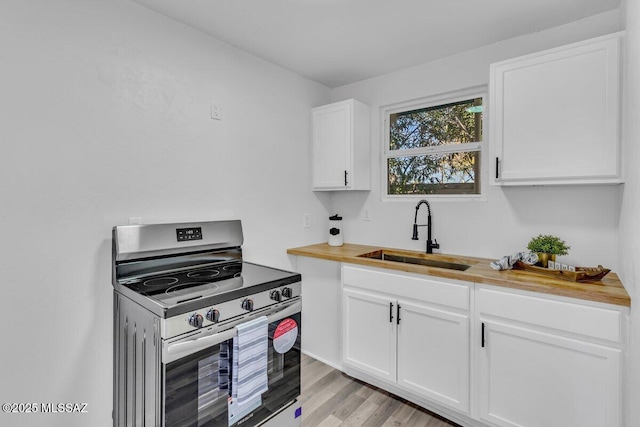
x=427, y=102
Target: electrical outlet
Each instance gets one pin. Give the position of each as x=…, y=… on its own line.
x=135, y=220
x=216, y=111
x=306, y=221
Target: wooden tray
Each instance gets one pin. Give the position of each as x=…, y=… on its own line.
x=582, y=274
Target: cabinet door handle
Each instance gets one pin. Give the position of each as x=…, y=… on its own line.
x=346, y=182
x=390, y=312
x=497, y=170
x=483, y=334
x=398, y=316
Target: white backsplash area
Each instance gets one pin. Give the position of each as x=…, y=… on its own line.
x=501, y=225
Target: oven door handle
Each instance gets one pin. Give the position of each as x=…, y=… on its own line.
x=174, y=351
x=285, y=312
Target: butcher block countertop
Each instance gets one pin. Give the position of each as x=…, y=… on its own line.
x=607, y=290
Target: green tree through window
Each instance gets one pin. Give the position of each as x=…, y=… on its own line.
x=435, y=150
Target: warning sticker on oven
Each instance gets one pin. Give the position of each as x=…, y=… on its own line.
x=285, y=335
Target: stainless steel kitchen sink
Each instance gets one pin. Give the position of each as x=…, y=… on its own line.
x=385, y=255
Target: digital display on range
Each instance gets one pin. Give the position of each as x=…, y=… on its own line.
x=185, y=234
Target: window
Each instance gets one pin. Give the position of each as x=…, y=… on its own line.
x=434, y=147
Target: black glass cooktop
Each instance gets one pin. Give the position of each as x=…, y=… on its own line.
x=181, y=282
x=173, y=293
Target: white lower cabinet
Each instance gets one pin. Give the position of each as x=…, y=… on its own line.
x=548, y=363
x=433, y=353
x=531, y=360
x=407, y=335
x=369, y=334
x=531, y=378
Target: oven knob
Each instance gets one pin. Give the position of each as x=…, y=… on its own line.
x=287, y=292
x=247, y=304
x=196, y=320
x=213, y=315
x=275, y=295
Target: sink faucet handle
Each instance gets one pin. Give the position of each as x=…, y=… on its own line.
x=435, y=244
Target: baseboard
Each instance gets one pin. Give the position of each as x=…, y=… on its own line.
x=323, y=360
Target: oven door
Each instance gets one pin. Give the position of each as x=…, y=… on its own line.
x=197, y=374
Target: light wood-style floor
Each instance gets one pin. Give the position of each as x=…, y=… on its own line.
x=331, y=398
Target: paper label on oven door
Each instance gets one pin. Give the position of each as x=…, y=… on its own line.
x=285, y=335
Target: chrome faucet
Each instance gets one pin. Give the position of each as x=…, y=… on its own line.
x=431, y=245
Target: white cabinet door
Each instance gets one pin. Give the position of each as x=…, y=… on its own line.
x=332, y=146
x=341, y=146
x=555, y=115
x=530, y=378
x=369, y=333
x=433, y=354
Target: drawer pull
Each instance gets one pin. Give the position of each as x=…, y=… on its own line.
x=482, y=334
x=390, y=312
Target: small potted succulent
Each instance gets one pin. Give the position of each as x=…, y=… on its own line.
x=547, y=247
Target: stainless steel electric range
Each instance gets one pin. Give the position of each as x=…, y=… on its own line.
x=181, y=293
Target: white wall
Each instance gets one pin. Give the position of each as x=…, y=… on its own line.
x=105, y=116
x=630, y=214
x=586, y=217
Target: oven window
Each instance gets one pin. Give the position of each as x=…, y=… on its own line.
x=197, y=389
x=213, y=384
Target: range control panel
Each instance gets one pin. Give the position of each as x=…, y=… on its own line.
x=186, y=234
x=222, y=313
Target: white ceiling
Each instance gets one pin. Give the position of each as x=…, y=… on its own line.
x=336, y=42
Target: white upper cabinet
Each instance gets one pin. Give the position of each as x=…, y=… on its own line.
x=555, y=115
x=341, y=146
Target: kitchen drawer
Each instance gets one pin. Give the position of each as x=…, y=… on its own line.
x=446, y=292
x=585, y=320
